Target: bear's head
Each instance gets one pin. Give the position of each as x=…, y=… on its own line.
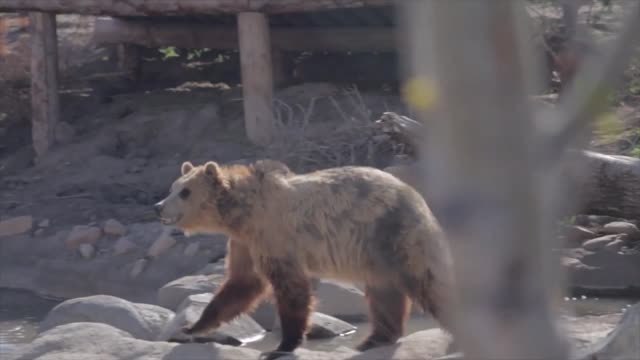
x=193, y=202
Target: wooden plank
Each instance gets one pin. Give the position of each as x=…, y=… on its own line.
x=181, y=7
x=44, y=81
x=257, y=76
x=189, y=35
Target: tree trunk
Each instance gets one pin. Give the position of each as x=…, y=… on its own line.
x=44, y=81
x=257, y=77
x=180, y=7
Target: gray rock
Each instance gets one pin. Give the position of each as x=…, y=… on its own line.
x=341, y=300
x=243, y=329
x=86, y=250
x=266, y=315
x=123, y=246
x=16, y=225
x=138, y=267
x=163, y=243
x=83, y=234
x=622, y=227
x=171, y=295
x=114, y=227
x=606, y=272
x=44, y=223
x=217, y=268
x=599, y=242
x=616, y=245
x=142, y=321
x=94, y=341
x=325, y=326
x=192, y=249
x=576, y=235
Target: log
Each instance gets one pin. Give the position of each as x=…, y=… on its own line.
x=257, y=76
x=159, y=33
x=44, y=81
x=181, y=7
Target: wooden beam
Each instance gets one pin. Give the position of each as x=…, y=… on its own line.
x=189, y=35
x=44, y=81
x=257, y=76
x=180, y=7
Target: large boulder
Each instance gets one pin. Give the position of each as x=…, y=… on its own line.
x=95, y=341
x=173, y=294
x=604, y=272
x=142, y=321
x=243, y=329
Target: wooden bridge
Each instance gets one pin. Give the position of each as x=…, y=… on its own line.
x=259, y=29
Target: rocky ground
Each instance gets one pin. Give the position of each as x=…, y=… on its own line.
x=79, y=223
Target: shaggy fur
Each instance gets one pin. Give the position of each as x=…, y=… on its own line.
x=355, y=224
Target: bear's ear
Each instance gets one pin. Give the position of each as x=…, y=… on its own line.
x=186, y=167
x=212, y=170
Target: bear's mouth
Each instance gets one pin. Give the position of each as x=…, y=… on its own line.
x=171, y=220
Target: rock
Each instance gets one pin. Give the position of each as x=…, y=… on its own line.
x=241, y=330
x=138, y=268
x=95, y=341
x=171, y=295
x=163, y=243
x=123, y=246
x=266, y=315
x=425, y=344
x=622, y=227
x=86, y=250
x=340, y=300
x=599, y=242
x=217, y=267
x=16, y=225
x=64, y=132
x=576, y=235
x=620, y=344
x=572, y=263
x=615, y=245
x=142, y=321
x=44, y=223
x=83, y=234
x=325, y=326
x=114, y=227
x=606, y=273
x=192, y=249
x=38, y=233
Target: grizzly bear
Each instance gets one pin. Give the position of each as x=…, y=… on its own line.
x=355, y=224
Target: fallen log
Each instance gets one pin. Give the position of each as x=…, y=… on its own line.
x=180, y=7
x=602, y=184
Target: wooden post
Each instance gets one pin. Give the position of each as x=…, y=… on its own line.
x=129, y=60
x=44, y=81
x=257, y=76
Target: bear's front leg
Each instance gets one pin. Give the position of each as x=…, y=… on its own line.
x=234, y=298
x=240, y=292
x=292, y=291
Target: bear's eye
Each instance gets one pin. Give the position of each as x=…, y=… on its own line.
x=184, y=193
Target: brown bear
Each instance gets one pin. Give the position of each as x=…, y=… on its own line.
x=355, y=224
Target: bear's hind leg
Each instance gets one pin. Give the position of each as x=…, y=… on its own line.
x=292, y=291
x=389, y=309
